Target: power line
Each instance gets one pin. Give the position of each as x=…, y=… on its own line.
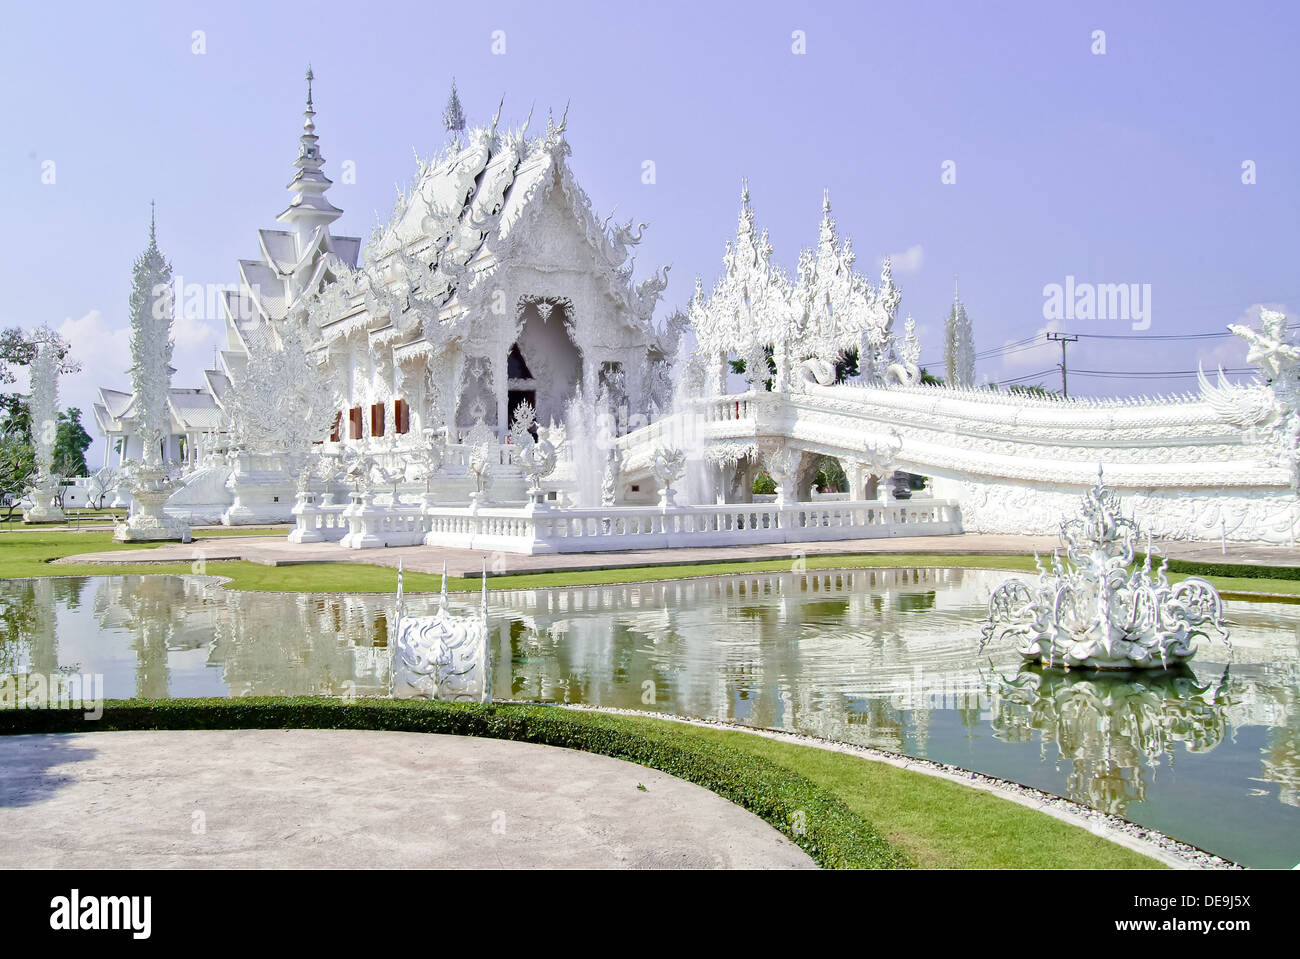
x=1026, y=376
x=1163, y=336
x=1032, y=342
x=1120, y=374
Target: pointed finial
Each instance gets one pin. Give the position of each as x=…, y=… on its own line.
x=153, y=229
x=744, y=191
x=956, y=296
x=826, y=200
x=453, y=116
x=310, y=78
x=444, y=582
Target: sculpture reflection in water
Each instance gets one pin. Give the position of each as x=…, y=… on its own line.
x=443, y=656
x=872, y=656
x=1112, y=726
x=1093, y=610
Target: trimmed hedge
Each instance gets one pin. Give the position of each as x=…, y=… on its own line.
x=1194, y=567
x=808, y=814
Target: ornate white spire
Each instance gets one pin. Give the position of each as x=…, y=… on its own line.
x=43, y=405
x=151, y=308
x=959, y=343
x=453, y=117
x=309, y=209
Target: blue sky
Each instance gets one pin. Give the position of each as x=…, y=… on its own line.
x=1124, y=167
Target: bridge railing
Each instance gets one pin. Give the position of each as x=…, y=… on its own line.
x=632, y=527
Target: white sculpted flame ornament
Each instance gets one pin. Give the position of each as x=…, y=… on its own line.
x=536, y=457
x=1093, y=611
x=443, y=656
x=668, y=465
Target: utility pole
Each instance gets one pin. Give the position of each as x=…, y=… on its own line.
x=1063, y=339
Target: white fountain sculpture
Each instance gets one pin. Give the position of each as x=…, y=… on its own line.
x=44, y=411
x=1093, y=610
x=443, y=656
x=668, y=465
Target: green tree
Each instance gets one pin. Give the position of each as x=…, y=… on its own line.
x=17, y=458
x=17, y=468
x=18, y=348
x=830, y=476
x=846, y=366
x=15, y=417
x=70, y=444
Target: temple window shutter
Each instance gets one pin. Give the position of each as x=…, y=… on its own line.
x=335, y=429
x=377, y=419
x=354, y=423
x=401, y=416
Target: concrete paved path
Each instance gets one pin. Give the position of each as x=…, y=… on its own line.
x=357, y=799
x=277, y=551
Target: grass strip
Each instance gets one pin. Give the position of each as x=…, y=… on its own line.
x=844, y=810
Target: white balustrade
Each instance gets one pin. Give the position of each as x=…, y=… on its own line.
x=519, y=530
x=317, y=523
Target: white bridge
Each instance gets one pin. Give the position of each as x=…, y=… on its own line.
x=1196, y=467
x=996, y=463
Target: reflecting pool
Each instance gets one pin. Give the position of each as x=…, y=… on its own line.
x=886, y=658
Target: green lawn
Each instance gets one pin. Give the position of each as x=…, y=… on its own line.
x=937, y=823
x=28, y=553
x=845, y=811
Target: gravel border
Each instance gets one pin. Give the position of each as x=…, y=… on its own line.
x=1172, y=852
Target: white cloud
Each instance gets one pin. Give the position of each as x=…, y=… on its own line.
x=103, y=350
x=1040, y=354
x=190, y=333
x=909, y=261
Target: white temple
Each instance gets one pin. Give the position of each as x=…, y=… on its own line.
x=368, y=391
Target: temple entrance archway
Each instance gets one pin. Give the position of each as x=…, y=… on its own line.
x=544, y=365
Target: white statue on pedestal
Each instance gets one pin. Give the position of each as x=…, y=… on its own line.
x=537, y=458
x=667, y=466
x=149, y=480
x=44, y=426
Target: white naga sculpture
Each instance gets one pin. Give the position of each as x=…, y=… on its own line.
x=443, y=656
x=44, y=410
x=1271, y=408
x=907, y=370
x=1092, y=610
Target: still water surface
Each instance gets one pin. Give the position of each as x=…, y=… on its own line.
x=885, y=658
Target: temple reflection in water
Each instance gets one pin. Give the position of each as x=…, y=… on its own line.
x=885, y=658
